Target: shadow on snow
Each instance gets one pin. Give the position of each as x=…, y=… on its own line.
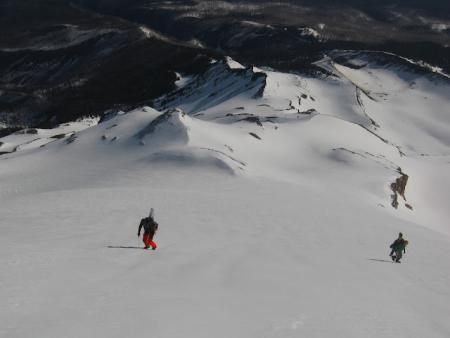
x=125, y=247
x=380, y=260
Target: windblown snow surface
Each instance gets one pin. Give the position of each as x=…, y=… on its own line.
x=274, y=194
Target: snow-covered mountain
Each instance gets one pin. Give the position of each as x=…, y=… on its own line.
x=277, y=197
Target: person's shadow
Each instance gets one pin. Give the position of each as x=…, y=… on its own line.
x=125, y=247
x=380, y=260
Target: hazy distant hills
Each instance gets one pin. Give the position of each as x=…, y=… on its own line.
x=63, y=59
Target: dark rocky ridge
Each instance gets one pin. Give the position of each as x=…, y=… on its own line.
x=398, y=188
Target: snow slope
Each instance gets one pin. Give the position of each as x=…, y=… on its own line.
x=274, y=198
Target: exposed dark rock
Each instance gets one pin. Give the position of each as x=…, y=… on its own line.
x=308, y=112
x=71, y=139
x=255, y=136
x=59, y=136
x=253, y=119
x=398, y=187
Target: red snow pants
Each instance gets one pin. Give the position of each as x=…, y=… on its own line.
x=148, y=240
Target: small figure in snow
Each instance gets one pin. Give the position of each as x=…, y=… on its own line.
x=150, y=227
x=398, y=248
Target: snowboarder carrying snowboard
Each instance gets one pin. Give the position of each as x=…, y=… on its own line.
x=150, y=227
x=398, y=248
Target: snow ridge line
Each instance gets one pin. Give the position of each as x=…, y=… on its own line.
x=242, y=163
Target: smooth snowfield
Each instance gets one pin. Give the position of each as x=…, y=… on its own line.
x=274, y=203
x=236, y=258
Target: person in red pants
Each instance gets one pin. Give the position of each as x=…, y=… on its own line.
x=150, y=227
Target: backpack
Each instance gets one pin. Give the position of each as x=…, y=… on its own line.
x=399, y=244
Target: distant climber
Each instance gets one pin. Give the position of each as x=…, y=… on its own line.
x=398, y=248
x=150, y=227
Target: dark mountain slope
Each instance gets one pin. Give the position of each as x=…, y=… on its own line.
x=68, y=62
x=278, y=34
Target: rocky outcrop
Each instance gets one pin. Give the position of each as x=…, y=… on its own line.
x=398, y=188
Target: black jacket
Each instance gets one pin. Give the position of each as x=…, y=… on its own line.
x=399, y=245
x=149, y=225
